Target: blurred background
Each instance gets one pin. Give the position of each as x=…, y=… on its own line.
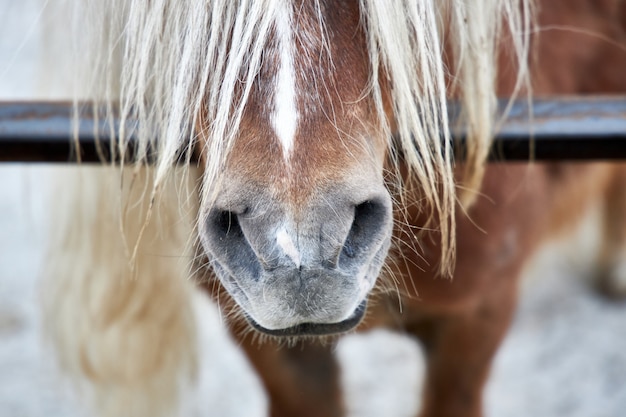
x=565, y=354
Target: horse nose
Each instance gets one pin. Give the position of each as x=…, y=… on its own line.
x=370, y=220
x=225, y=241
x=342, y=236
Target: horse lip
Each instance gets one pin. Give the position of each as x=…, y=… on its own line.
x=316, y=329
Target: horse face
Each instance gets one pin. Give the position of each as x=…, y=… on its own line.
x=302, y=224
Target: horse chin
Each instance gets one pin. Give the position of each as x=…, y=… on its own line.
x=315, y=329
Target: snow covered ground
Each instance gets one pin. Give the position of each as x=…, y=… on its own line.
x=564, y=356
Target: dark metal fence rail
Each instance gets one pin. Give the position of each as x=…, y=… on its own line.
x=575, y=128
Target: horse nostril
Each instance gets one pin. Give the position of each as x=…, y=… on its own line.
x=226, y=224
x=224, y=239
x=370, y=218
x=349, y=249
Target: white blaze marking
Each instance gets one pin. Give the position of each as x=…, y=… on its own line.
x=285, y=117
x=286, y=244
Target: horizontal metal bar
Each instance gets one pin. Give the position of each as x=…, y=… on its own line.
x=570, y=128
x=42, y=132
x=575, y=128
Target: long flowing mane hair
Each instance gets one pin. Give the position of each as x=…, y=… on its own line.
x=166, y=64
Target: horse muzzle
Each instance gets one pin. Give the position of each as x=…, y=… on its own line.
x=300, y=272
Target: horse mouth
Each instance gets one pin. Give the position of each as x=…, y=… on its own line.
x=316, y=329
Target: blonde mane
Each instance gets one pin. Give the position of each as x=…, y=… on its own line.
x=406, y=41
x=167, y=65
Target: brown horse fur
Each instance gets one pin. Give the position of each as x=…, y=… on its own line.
x=579, y=48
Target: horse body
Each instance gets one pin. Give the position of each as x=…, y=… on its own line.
x=296, y=212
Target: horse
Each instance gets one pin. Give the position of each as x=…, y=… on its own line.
x=326, y=196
